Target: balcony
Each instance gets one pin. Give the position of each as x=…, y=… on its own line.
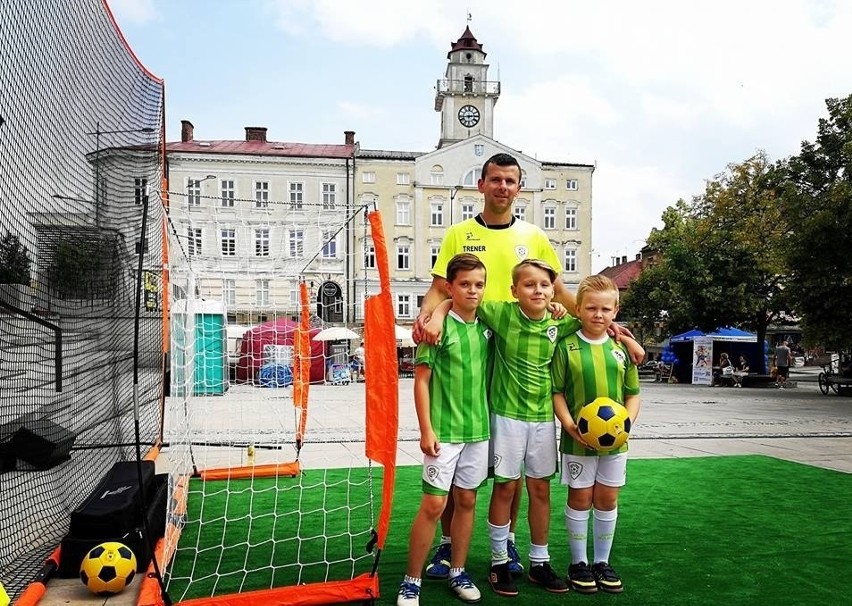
x=487, y=88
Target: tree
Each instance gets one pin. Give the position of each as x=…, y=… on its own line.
x=14, y=261
x=816, y=198
x=719, y=261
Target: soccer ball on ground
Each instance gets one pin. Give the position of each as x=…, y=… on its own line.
x=604, y=424
x=108, y=568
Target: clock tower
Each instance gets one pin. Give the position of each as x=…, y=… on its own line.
x=465, y=97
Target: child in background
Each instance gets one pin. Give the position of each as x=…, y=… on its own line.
x=452, y=410
x=588, y=365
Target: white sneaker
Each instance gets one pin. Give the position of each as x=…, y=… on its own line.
x=409, y=595
x=464, y=588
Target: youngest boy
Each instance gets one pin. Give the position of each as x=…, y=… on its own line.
x=588, y=365
x=449, y=396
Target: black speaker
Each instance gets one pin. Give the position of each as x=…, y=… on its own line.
x=42, y=444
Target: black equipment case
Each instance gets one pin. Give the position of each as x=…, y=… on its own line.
x=112, y=512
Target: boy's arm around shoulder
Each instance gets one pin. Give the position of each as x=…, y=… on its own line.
x=431, y=333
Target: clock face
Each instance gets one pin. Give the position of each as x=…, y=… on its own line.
x=468, y=116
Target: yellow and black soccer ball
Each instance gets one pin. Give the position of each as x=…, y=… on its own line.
x=604, y=424
x=108, y=568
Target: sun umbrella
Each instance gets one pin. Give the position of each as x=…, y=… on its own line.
x=336, y=333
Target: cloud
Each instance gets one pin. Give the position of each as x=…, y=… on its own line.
x=133, y=11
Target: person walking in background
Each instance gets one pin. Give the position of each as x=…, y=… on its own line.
x=783, y=360
x=452, y=410
x=588, y=365
x=359, y=361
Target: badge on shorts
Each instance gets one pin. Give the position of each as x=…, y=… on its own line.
x=551, y=333
x=432, y=473
x=575, y=469
x=522, y=251
x=497, y=459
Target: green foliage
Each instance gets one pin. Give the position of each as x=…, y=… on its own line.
x=719, y=263
x=816, y=195
x=81, y=268
x=14, y=261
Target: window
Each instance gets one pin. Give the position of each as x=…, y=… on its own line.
x=368, y=177
x=549, y=217
x=228, y=193
x=550, y=184
x=467, y=211
x=295, y=298
x=434, y=249
x=228, y=239
x=570, y=260
x=329, y=196
x=193, y=192
x=193, y=236
x=436, y=176
x=570, y=218
x=297, y=196
x=436, y=216
x=403, y=212
x=523, y=179
x=229, y=292
x=403, y=306
x=296, y=243
x=403, y=256
x=261, y=292
x=261, y=242
x=520, y=212
x=403, y=178
x=572, y=185
x=140, y=189
x=261, y=194
x=329, y=246
x=370, y=256
x=471, y=177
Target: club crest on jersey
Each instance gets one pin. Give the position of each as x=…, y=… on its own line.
x=619, y=355
x=551, y=333
x=522, y=251
x=432, y=472
x=487, y=333
x=575, y=469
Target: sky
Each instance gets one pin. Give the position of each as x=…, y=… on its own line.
x=660, y=95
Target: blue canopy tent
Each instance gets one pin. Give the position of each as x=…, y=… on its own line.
x=733, y=341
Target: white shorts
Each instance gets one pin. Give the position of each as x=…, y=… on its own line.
x=522, y=445
x=464, y=465
x=579, y=471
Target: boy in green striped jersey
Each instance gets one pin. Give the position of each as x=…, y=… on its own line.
x=452, y=410
x=523, y=438
x=588, y=365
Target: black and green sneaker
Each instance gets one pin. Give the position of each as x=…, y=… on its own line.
x=581, y=578
x=501, y=580
x=542, y=574
x=606, y=578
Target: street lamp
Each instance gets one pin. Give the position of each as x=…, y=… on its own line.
x=455, y=189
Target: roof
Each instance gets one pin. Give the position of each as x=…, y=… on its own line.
x=262, y=148
x=624, y=273
x=466, y=42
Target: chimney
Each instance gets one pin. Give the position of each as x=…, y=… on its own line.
x=256, y=133
x=638, y=256
x=349, y=137
x=186, y=131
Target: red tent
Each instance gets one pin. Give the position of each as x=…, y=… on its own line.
x=275, y=332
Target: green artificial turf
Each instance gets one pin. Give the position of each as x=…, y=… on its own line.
x=715, y=530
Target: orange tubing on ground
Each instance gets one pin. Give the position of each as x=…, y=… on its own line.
x=251, y=471
x=35, y=591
